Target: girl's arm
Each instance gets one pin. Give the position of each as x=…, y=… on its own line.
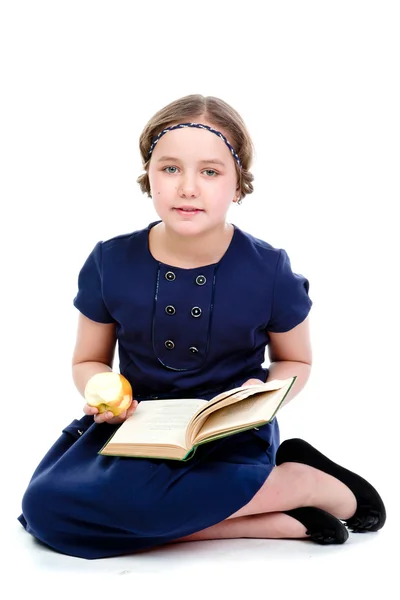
x=290, y=354
x=94, y=350
x=94, y=353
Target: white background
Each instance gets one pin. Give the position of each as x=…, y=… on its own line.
x=317, y=83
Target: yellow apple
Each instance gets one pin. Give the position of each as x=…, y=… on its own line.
x=109, y=391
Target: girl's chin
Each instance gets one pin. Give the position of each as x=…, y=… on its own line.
x=180, y=218
x=186, y=227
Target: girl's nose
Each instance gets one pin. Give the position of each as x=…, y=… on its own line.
x=188, y=187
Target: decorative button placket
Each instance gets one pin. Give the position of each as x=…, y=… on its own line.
x=181, y=343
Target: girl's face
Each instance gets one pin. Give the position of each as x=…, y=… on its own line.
x=193, y=179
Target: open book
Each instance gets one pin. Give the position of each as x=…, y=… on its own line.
x=172, y=429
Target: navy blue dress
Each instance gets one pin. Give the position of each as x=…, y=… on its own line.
x=181, y=333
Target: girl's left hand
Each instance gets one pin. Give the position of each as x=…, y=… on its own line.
x=252, y=382
x=108, y=417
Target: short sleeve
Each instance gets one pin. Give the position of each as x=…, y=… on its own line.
x=89, y=299
x=291, y=302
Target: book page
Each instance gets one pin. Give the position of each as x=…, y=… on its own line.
x=274, y=384
x=239, y=393
x=158, y=422
x=252, y=410
x=232, y=396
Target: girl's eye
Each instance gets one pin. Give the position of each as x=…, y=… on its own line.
x=173, y=170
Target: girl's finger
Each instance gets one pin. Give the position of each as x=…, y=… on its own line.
x=102, y=417
x=109, y=417
x=129, y=413
x=252, y=382
x=132, y=408
x=90, y=410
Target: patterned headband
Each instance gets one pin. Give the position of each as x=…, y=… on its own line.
x=199, y=126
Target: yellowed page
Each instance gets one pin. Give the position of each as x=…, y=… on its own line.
x=251, y=410
x=236, y=394
x=158, y=422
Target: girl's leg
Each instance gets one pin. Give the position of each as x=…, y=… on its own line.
x=273, y=525
x=289, y=486
x=292, y=485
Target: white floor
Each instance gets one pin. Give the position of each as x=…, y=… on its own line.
x=366, y=567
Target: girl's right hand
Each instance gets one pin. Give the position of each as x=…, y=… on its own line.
x=108, y=417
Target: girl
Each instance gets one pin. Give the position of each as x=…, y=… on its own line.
x=193, y=301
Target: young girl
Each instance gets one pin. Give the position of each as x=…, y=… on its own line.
x=193, y=301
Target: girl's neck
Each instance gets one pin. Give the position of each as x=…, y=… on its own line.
x=192, y=251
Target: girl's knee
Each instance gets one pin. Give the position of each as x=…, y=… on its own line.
x=38, y=505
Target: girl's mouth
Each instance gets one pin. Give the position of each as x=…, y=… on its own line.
x=188, y=211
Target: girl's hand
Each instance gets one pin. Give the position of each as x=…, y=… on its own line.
x=252, y=382
x=108, y=417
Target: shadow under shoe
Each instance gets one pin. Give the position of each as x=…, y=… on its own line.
x=370, y=514
x=322, y=527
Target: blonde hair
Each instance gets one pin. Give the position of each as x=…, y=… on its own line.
x=192, y=109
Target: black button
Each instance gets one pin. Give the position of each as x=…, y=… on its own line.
x=196, y=311
x=170, y=276
x=170, y=310
x=193, y=349
x=169, y=344
x=200, y=280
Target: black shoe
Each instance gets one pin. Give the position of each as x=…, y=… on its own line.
x=322, y=527
x=370, y=514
